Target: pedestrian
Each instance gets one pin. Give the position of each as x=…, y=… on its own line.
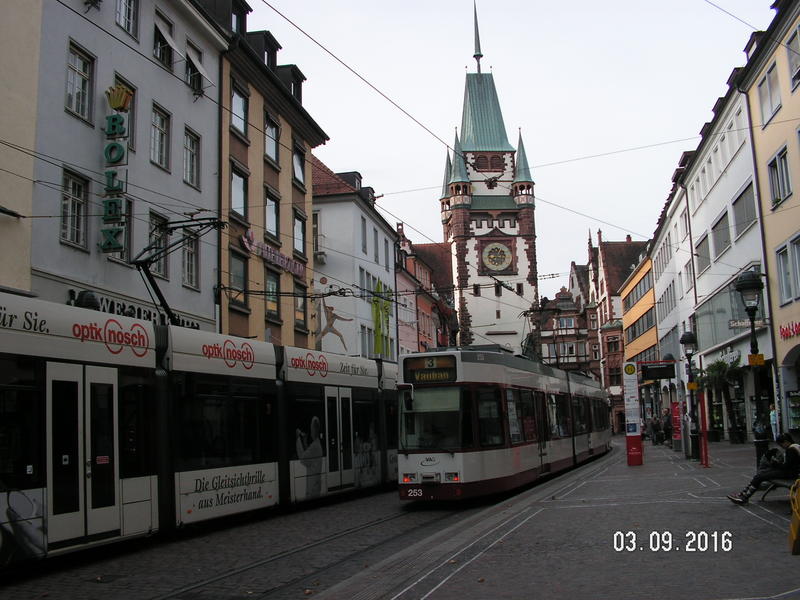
x=773, y=421
x=770, y=467
x=655, y=431
x=666, y=425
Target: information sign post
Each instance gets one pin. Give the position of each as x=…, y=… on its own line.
x=633, y=417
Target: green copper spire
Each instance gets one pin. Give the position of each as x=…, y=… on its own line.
x=523, y=172
x=458, y=173
x=447, y=168
x=482, y=126
x=477, y=56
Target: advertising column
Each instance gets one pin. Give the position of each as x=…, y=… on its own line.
x=633, y=434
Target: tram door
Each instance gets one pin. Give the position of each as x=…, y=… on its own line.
x=339, y=434
x=82, y=449
x=543, y=430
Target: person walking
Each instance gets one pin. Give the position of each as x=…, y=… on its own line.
x=666, y=426
x=787, y=468
x=773, y=421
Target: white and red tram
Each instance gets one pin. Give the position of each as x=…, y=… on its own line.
x=113, y=427
x=480, y=420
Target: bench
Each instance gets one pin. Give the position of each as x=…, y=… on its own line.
x=774, y=484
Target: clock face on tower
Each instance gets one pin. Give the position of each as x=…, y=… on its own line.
x=496, y=256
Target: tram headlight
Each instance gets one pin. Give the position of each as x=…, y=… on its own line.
x=409, y=477
x=452, y=477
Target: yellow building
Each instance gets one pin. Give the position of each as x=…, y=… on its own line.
x=771, y=81
x=266, y=260
x=639, y=327
x=20, y=27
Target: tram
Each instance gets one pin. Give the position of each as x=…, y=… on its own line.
x=113, y=427
x=479, y=420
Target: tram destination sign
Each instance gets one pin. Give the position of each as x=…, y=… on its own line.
x=430, y=369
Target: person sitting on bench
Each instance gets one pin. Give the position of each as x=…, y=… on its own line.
x=788, y=468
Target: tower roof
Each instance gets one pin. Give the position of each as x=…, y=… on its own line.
x=447, y=168
x=523, y=172
x=482, y=126
x=458, y=174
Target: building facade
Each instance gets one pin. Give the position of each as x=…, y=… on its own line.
x=770, y=80
x=355, y=257
x=126, y=125
x=266, y=251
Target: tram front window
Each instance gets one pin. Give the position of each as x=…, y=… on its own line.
x=431, y=419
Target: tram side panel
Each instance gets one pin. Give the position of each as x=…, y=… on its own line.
x=224, y=425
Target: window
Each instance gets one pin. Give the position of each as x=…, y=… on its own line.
x=519, y=289
x=476, y=289
x=74, y=200
x=237, y=22
x=375, y=246
x=613, y=345
x=191, y=259
x=702, y=254
x=315, y=231
x=159, y=138
x=688, y=275
x=300, y=312
x=131, y=125
x=769, y=95
x=238, y=279
x=721, y=233
x=272, y=214
x=191, y=158
x=779, y=184
x=744, y=210
x=784, y=274
x=193, y=75
x=592, y=321
x=299, y=165
x=490, y=426
x=158, y=241
x=127, y=16
x=163, y=44
x=684, y=223
x=271, y=136
x=566, y=322
x=795, y=245
x=615, y=376
x=793, y=54
x=386, y=254
x=363, y=235
x=272, y=287
x=238, y=192
x=80, y=73
x=299, y=234
x=239, y=110
x=498, y=289
x=496, y=163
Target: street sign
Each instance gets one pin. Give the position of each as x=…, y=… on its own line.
x=692, y=385
x=755, y=360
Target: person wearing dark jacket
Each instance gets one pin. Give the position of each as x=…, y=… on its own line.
x=666, y=425
x=786, y=469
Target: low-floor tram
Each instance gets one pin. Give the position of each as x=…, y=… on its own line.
x=113, y=427
x=480, y=420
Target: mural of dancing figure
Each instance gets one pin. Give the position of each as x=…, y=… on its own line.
x=330, y=318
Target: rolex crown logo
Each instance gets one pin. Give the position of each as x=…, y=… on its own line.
x=119, y=97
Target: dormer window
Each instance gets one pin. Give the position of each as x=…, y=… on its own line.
x=237, y=22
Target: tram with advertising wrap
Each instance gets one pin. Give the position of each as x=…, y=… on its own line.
x=479, y=420
x=113, y=427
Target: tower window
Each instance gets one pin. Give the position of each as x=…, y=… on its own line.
x=482, y=163
x=497, y=163
x=476, y=290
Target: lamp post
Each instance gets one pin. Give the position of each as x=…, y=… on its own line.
x=750, y=286
x=697, y=446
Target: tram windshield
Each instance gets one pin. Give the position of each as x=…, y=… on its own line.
x=432, y=419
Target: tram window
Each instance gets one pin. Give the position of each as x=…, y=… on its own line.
x=366, y=439
x=433, y=421
x=222, y=421
x=528, y=416
x=580, y=415
x=21, y=426
x=564, y=427
x=514, y=411
x=490, y=425
x=467, y=431
x=552, y=416
x=390, y=400
x=136, y=418
x=307, y=419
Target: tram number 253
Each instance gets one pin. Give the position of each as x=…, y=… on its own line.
x=415, y=493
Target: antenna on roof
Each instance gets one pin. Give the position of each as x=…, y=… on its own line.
x=477, y=56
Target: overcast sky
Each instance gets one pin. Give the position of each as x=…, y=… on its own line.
x=580, y=79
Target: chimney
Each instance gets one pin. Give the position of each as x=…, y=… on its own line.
x=628, y=238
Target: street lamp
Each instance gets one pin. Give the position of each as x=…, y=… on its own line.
x=689, y=343
x=750, y=286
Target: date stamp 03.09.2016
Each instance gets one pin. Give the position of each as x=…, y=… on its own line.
x=666, y=541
